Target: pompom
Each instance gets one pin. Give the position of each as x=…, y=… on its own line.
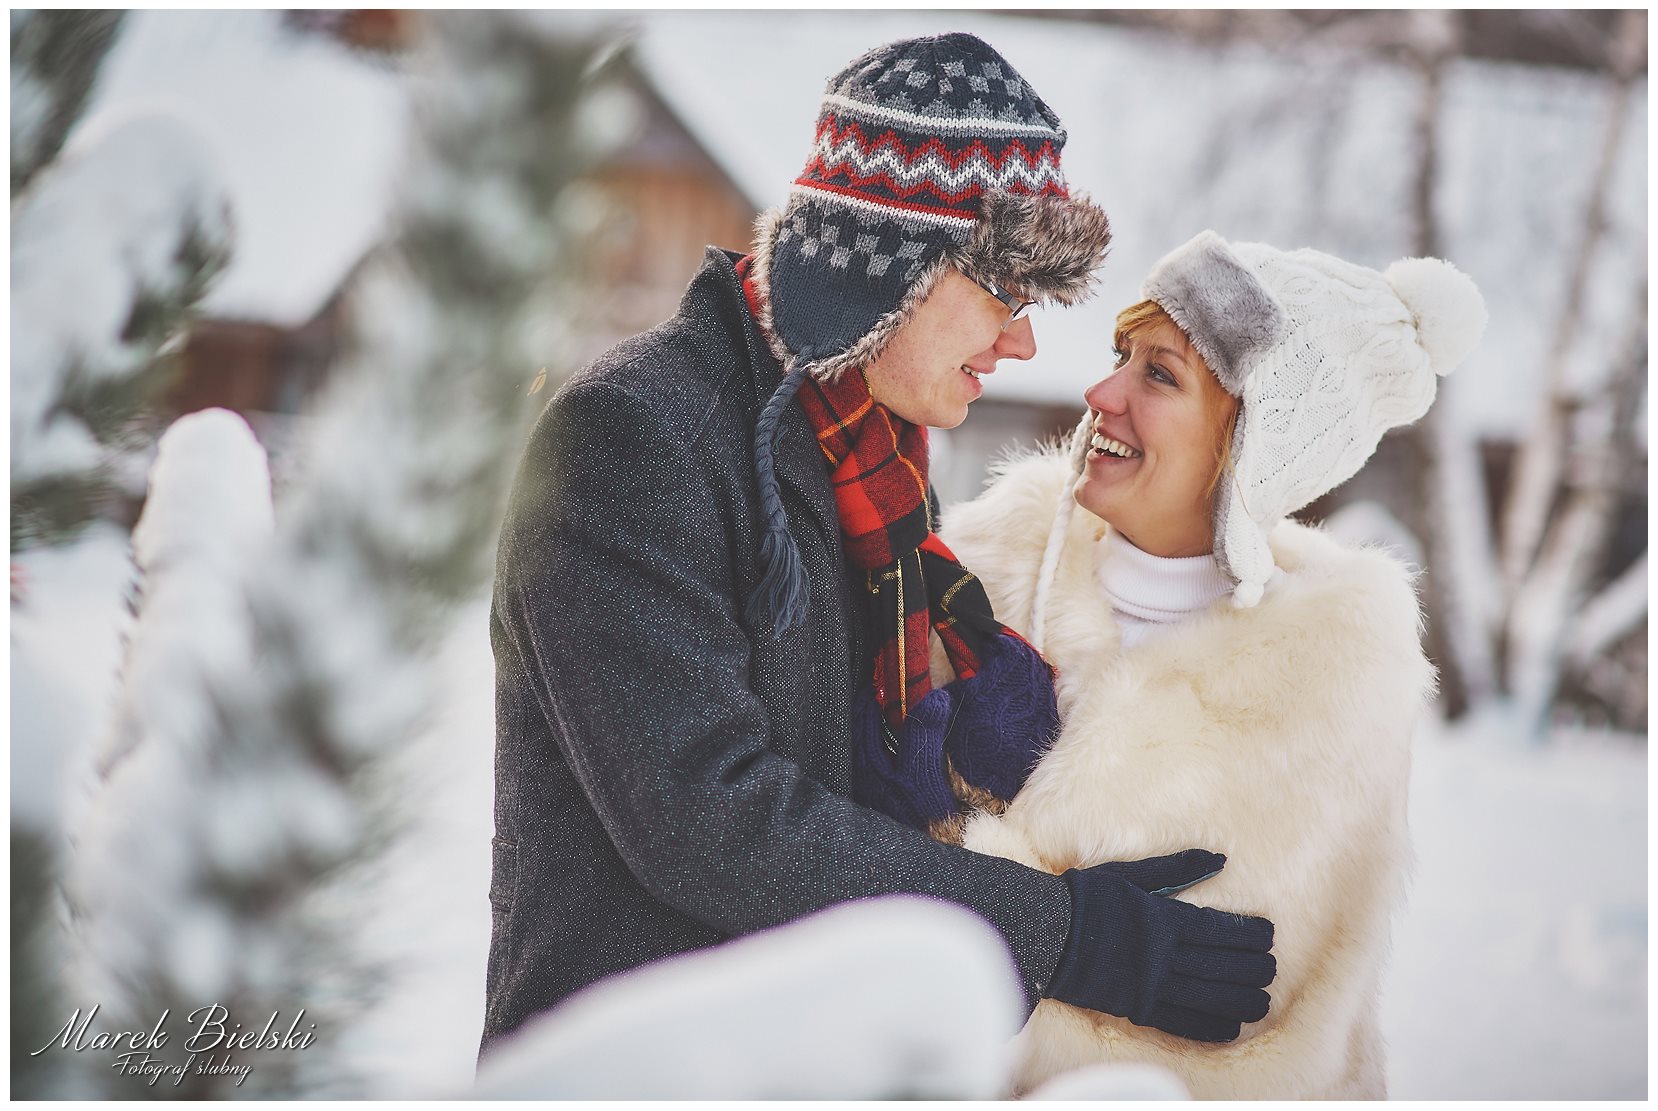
x=1446, y=305
x=1247, y=595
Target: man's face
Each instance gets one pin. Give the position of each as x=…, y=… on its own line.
x=929, y=373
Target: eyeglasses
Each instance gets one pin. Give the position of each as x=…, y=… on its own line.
x=1013, y=304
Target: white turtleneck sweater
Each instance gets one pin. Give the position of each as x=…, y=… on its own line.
x=1148, y=592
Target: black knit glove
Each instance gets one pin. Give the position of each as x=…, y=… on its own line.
x=1190, y=971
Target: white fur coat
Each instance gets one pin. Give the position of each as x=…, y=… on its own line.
x=1277, y=735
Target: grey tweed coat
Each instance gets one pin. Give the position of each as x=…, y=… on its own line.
x=667, y=777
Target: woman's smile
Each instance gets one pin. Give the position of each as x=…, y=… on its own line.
x=1108, y=447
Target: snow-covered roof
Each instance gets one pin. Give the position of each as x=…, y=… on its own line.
x=311, y=141
x=1287, y=148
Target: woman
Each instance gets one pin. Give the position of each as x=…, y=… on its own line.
x=1227, y=677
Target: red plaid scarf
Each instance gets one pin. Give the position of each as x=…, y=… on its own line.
x=878, y=467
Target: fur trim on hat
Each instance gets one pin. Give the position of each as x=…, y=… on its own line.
x=766, y=227
x=1221, y=305
x=1445, y=305
x=1046, y=247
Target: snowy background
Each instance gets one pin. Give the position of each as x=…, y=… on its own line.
x=1520, y=964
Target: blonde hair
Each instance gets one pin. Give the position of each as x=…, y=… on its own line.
x=1146, y=317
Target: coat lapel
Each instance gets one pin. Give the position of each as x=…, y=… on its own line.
x=799, y=463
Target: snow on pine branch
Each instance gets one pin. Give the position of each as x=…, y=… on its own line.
x=390, y=520
x=207, y=516
x=892, y=998
x=55, y=56
x=114, y=241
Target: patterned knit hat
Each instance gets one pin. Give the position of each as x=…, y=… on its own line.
x=1324, y=356
x=930, y=154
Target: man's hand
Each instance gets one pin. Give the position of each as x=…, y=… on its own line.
x=1006, y=718
x=1133, y=952
x=901, y=773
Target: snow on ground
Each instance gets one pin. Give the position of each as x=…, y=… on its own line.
x=1520, y=962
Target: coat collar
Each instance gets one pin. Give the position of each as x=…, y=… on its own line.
x=799, y=463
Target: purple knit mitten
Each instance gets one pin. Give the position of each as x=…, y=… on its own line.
x=910, y=786
x=1007, y=716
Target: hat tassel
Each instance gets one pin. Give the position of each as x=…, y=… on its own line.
x=781, y=596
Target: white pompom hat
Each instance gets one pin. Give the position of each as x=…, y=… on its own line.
x=1325, y=357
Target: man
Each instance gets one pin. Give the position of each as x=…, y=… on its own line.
x=687, y=612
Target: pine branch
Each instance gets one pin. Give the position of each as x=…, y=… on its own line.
x=55, y=60
x=390, y=523
x=112, y=248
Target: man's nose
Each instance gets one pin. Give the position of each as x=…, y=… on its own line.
x=1017, y=341
x=1107, y=395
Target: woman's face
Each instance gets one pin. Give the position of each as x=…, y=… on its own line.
x=1158, y=419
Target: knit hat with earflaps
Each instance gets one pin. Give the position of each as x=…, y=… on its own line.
x=930, y=154
x=1323, y=355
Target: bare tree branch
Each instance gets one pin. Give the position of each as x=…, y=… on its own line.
x=1554, y=586
x=1451, y=489
x=1610, y=615
x=1537, y=473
